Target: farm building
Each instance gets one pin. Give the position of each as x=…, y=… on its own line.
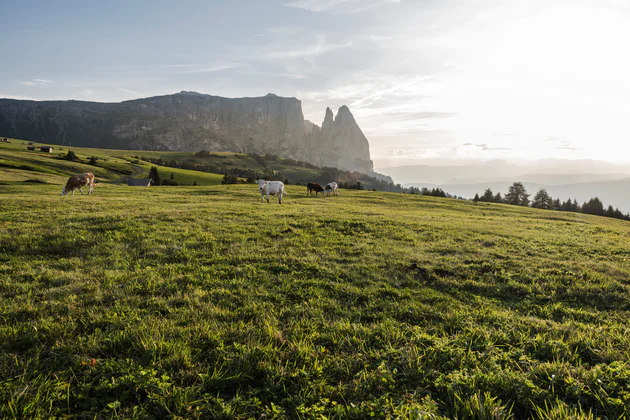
x=139, y=182
x=46, y=149
x=30, y=147
x=6, y=140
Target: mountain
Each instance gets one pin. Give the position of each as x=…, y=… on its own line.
x=189, y=121
x=544, y=171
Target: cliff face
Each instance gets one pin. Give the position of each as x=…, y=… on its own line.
x=190, y=121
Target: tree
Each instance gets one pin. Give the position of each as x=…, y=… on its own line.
x=487, y=197
x=172, y=176
x=155, y=175
x=286, y=181
x=517, y=195
x=498, y=198
x=195, y=184
x=71, y=155
x=92, y=161
x=556, y=205
x=476, y=199
x=542, y=200
x=567, y=206
x=229, y=179
x=593, y=206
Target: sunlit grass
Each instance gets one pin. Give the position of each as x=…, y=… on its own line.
x=203, y=302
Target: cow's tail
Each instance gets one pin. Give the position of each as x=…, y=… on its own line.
x=285, y=192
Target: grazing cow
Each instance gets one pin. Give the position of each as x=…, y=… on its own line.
x=78, y=182
x=313, y=186
x=331, y=187
x=275, y=188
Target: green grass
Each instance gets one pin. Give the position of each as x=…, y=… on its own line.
x=18, y=165
x=204, y=303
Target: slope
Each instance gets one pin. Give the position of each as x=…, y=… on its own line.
x=203, y=303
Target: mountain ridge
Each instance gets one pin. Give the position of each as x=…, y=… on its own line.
x=192, y=121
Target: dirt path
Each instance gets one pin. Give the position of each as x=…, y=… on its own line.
x=138, y=170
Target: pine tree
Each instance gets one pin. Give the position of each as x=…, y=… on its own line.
x=593, y=206
x=476, y=199
x=155, y=175
x=576, y=207
x=487, y=196
x=517, y=195
x=542, y=200
x=498, y=198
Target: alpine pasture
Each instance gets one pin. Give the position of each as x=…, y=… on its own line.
x=201, y=302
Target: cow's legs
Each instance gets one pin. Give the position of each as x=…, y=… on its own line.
x=268, y=194
x=81, y=190
x=280, y=197
x=73, y=192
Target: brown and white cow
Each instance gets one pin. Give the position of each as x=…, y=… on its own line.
x=331, y=187
x=78, y=182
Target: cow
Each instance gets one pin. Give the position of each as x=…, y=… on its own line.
x=313, y=186
x=331, y=187
x=78, y=182
x=275, y=188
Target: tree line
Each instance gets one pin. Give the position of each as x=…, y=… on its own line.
x=517, y=195
x=231, y=175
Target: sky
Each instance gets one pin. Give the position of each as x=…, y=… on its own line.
x=425, y=79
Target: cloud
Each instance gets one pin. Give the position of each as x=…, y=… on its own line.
x=129, y=91
x=211, y=68
x=338, y=6
x=35, y=82
x=276, y=74
x=423, y=115
x=319, y=48
x=485, y=147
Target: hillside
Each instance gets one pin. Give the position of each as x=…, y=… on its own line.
x=208, y=168
x=189, y=121
x=203, y=303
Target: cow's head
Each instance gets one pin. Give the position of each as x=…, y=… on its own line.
x=64, y=191
x=261, y=183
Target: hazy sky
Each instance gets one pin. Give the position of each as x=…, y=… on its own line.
x=424, y=78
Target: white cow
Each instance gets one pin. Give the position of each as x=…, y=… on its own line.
x=331, y=187
x=275, y=188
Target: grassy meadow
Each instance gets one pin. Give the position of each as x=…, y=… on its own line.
x=201, y=302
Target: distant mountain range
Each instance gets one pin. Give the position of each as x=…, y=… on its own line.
x=579, y=179
x=612, y=192
x=189, y=121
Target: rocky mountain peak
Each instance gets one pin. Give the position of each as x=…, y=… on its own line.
x=192, y=121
